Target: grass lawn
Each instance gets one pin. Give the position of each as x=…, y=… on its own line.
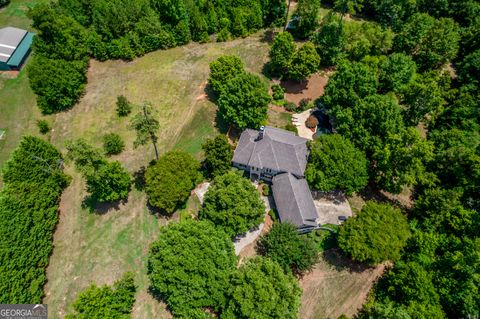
x=99, y=247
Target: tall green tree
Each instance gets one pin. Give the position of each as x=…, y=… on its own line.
x=169, y=181
x=377, y=234
x=233, y=204
x=431, y=42
x=261, y=289
x=292, y=251
x=305, y=62
x=396, y=72
x=244, y=101
x=335, y=163
x=330, y=40
x=305, y=17
x=218, y=155
x=110, y=183
x=189, y=265
x=224, y=69
x=281, y=53
x=146, y=127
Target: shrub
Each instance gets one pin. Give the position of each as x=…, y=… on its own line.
x=124, y=107
x=195, y=256
x=43, y=126
x=305, y=104
x=278, y=92
x=170, y=180
x=311, y=122
x=290, y=106
x=291, y=127
x=106, y=301
x=292, y=251
x=266, y=190
x=113, y=144
x=233, y=204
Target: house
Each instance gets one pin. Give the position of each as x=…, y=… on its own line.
x=280, y=157
x=14, y=47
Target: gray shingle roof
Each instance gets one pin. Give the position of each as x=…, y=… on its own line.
x=279, y=150
x=10, y=38
x=294, y=200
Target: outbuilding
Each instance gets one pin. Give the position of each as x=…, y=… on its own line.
x=15, y=46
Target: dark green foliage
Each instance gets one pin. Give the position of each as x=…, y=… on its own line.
x=305, y=17
x=113, y=144
x=292, y=251
x=368, y=38
x=305, y=62
x=281, y=53
x=43, y=126
x=244, y=100
x=260, y=289
x=57, y=83
x=393, y=12
x=274, y=11
x=233, y=204
x=378, y=233
x=324, y=239
x=33, y=182
x=401, y=161
x=469, y=69
x=330, y=40
x=291, y=127
x=170, y=180
x=110, y=183
x=189, y=266
x=224, y=69
x=278, y=93
x=218, y=155
x=334, y=163
x=431, y=42
x=124, y=107
x=352, y=82
x=396, y=72
x=4, y=3
x=106, y=302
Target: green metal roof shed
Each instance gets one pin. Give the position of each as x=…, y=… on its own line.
x=14, y=47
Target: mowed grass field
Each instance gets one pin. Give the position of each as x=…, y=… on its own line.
x=97, y=247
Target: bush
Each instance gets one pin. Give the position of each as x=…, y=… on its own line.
x=292, y=251
x=106, y=301
x=124, y=107
x=378, y=233
x=33, y=182
x=260, y=289
x=278, y=92
x=170, y=180
x=311, y=122
x=195, y=256
x=305, y=104
x=233, y=204
x=290, y=106
x=266, y=190
x=113, y=144
x=291, y=127
x=43, y=126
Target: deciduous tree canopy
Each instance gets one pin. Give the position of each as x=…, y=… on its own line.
x=189, y=265
x=378, y=233
x=218, y=155
x=170, y=180
x=233, y=204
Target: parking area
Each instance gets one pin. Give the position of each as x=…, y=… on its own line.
x=331, y=207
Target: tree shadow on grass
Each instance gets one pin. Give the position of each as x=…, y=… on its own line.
x=99, y=208
x=268, y=36
x=340, y=261
x=139, y=179
x=373, y=193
